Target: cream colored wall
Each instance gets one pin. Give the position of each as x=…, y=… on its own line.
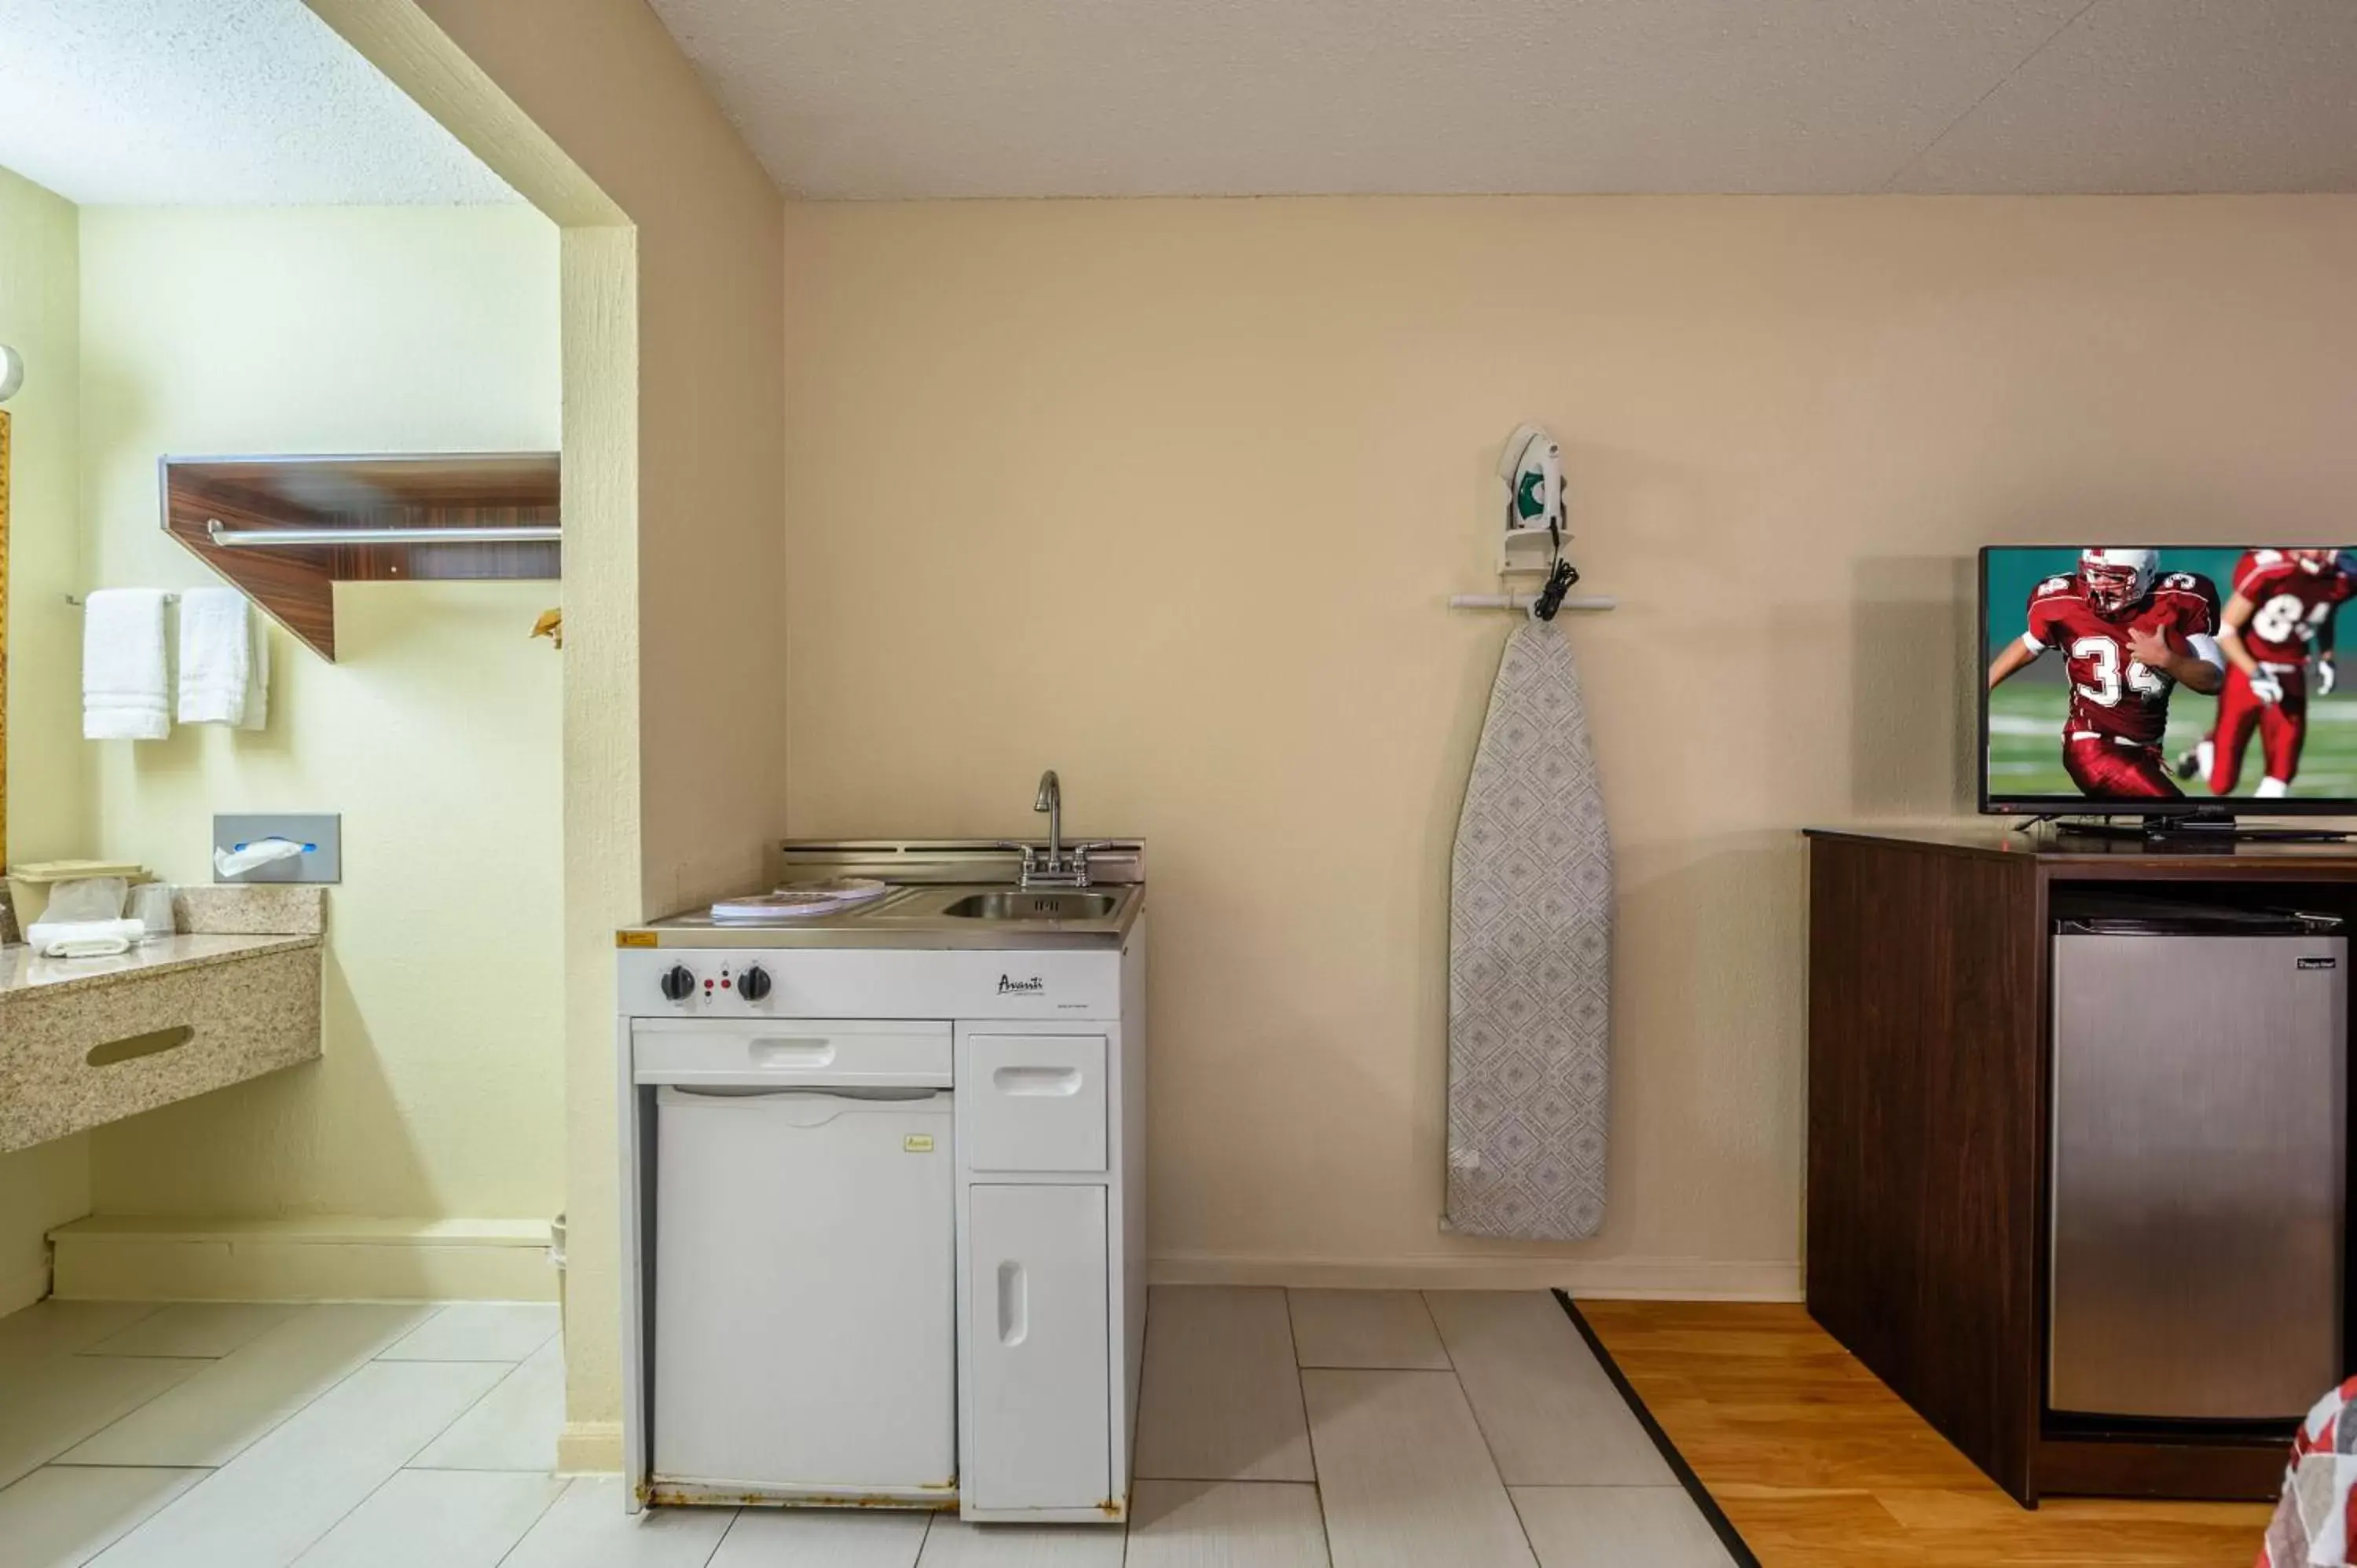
x=1168, y=495
x=673, y=388
x=436, y=734
x=49, y=798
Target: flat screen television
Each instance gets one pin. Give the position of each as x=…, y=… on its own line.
x=2174, y=681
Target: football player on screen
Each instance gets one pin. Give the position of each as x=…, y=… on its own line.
x=2129, y=634
x=2284, y=602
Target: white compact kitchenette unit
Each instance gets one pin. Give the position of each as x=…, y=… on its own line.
x=884, y=1188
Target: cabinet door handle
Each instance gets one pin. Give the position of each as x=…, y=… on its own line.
x=1056, y=1080
x=1014, y=1304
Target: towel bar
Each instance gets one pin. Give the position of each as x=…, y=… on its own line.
x=285, y=538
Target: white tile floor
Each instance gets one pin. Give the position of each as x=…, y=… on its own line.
x=1280, y=1430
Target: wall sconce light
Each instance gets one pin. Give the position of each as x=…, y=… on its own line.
x=12, y=371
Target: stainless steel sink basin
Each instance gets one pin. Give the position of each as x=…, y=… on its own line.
x=1045, y=904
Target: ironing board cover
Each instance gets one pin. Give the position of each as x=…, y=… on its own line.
x=2313, y=1521
x=1530, y=961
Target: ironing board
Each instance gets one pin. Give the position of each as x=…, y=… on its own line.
x=1530, y=961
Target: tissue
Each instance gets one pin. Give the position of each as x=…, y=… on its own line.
x=237, y=861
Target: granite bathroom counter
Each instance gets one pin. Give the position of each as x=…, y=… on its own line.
x=23, y=969
x=92, y=1040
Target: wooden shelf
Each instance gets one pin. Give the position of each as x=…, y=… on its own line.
x=296, y=585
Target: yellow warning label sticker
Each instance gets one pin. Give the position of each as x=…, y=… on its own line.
x=918, y=1143
x=634, y=939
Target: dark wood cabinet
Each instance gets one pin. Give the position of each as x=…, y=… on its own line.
x=1930, y=1074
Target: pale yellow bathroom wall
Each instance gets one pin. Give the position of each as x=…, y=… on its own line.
x=673, y=386
x=436, y=734
x=608, y=84
x=1169, y=496
x=49, y=810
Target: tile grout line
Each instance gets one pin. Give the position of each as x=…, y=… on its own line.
x=1257, y=1480
x=1308, y=1437
x=727, y=1531
x=389, y=1475
x=738, y=1518
x=557, y=1497
x=92, y=1348
x=1488, y=1446
x=86, y=1350
x=108, y=1544
x=306, y=1549
x=346, y=1377
x=52, y=1460
x=213, y=1470
x=514, y=1369
x=1708, y=1505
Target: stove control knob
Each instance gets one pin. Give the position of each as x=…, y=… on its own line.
x=753, y=983
x=678, y=983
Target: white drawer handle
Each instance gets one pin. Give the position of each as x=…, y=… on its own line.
x=1014, y=1304
x=1063, y=1081
x=807, y=1052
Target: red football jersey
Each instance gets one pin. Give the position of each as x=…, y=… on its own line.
x=2111, y=693
x=2289, y=603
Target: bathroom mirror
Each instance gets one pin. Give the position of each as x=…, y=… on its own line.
x=4, y=634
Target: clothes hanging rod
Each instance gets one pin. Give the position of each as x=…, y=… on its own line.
x=283, y=538
x=1524, y=601
x=78, y=601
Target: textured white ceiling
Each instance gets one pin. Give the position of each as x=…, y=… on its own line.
x=228, y=102
x=2157, y=95
x=947, y=98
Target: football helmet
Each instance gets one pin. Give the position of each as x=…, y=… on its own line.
x=2117, y=580
x=2314, y=562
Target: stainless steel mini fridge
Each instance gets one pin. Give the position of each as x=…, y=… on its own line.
x=2199, y=1129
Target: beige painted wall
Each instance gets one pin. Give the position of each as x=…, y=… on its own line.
x=1168, y=495
x=49, y=798
x=436, y=734
x=674, y=697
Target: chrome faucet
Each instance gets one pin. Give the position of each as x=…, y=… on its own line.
x=1058, y=867
x=1050, y=800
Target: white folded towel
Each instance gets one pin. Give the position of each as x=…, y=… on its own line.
x=224, y=661
x=84, y=939
x=257, y=678
x=125, y=685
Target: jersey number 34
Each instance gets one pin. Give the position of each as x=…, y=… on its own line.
x=2102, y=656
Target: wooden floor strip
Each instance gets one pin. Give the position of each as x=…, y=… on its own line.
x=1820, y=1465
